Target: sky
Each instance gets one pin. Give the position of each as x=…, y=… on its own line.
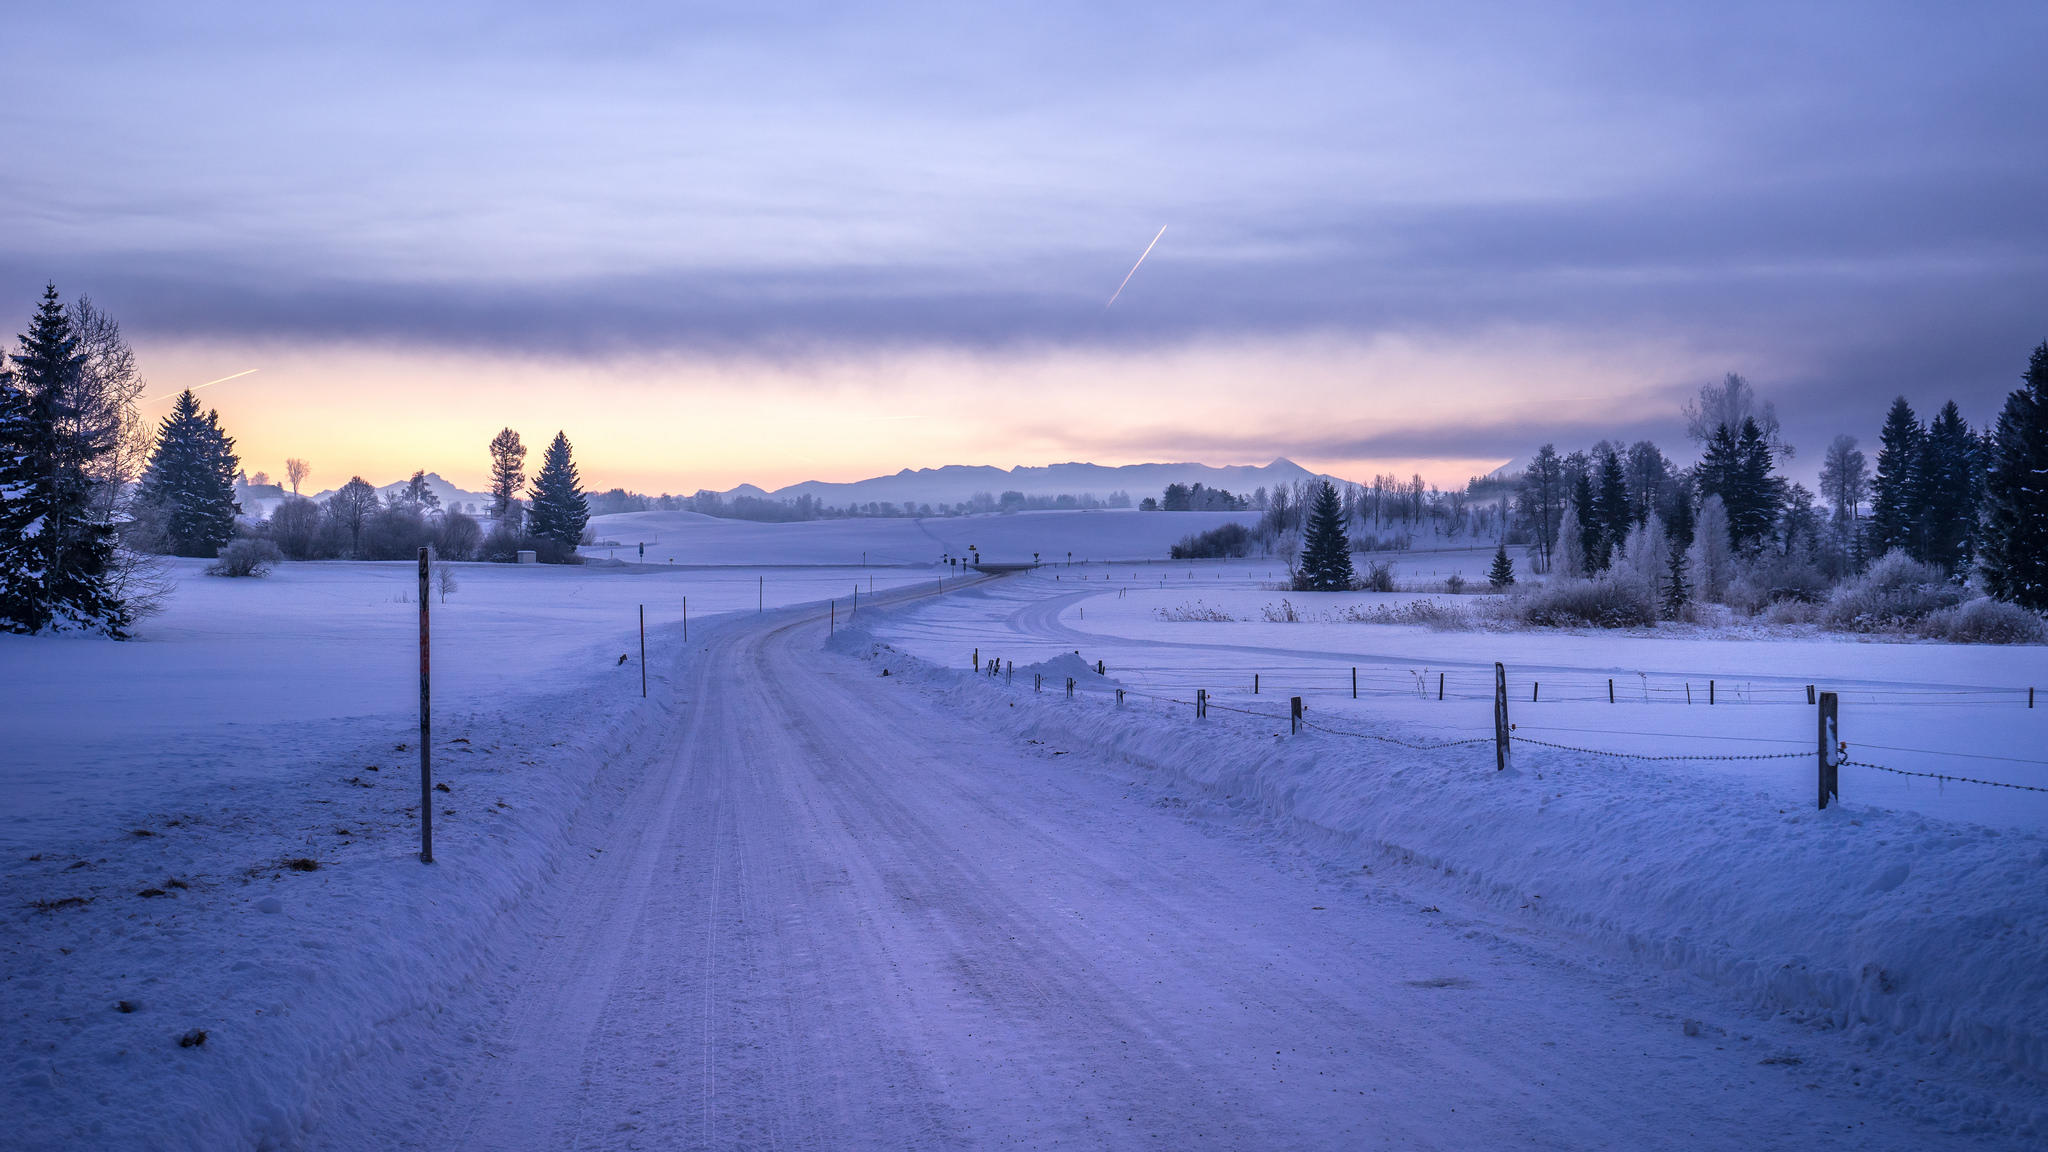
x=764, y=243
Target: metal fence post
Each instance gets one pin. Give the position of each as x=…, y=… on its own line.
x=1830, y=742
x=1500, y=716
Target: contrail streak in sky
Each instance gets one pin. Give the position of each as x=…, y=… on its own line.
x=1134, y=268
x=208, y=384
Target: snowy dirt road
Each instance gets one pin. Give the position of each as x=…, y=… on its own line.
x=831, y=915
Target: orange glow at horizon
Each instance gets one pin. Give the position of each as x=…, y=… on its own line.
x=676, y=423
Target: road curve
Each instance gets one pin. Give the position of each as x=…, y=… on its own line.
x=836, y=916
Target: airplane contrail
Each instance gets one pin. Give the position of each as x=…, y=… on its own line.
x=208, y=384
x=1134, y=268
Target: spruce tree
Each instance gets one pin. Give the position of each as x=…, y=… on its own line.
x=1502, y=574
x=2015, y=552
x=1593, y=543
x=1325, y=553
x=188, y=489
x=1895, y=492
x=58, y=545
x=559, y=511
x=1616, y=514
x=1950, y=491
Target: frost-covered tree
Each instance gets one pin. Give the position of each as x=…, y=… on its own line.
x=1541, y=499
x=508, y=474
x=1844, y=479
x=1571, y=545
x=416, y=495
x=1727, y=405
x=559, y=511
x=57, y=544
x=1326, y=552
x=187, y=497
x=296, y=471
x=2015, y=553
x=1710, y=559
x=1895, y=494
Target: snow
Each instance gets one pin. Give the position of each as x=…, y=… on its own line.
x=690, y=538
x=787, y=899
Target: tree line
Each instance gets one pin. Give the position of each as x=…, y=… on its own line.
x=89, y=493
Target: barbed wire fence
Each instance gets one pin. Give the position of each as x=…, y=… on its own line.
x=1829, y=752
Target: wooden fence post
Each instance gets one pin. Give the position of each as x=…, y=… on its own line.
x=426, y=727
x=1830, y=740
x=686, y=619
x=1535, y=690
x=1439, y=685
x=831, y=617
x=643, y=651
x=1201, y=703
x=1809, y=694
x=1070, y=687
x=1354, y=682
x=1255, y=683
x=1294, y=717
x=1500, y=717
x=1610, y=689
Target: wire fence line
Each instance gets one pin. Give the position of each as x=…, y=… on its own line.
x=1515, y=736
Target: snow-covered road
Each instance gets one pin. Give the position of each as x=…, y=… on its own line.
x=830, y=914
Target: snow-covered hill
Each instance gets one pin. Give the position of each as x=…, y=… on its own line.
x=956, y=483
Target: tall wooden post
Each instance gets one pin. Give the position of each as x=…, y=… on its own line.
x=426, y=727
x=1294, y=716
x=1830, y=739
x=1354, y=682
x=686, y=619
x=1500, y=716
x=643, y=651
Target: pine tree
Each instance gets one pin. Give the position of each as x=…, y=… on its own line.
x=56, y=545
x=1571, y=545
x=1896, y=490
x=559, y=511
x=1502, y=574
x=1326, y=553
x=508, y=472
x=1759, y=496
x=1676, y=594
x=188, y=488
x=1950, y=492
x=1616, y=516
x=1593, y=542
x=2015, y=552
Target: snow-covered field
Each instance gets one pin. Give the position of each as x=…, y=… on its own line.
x=787, y=900
x=690, y=538
x=1957, y=710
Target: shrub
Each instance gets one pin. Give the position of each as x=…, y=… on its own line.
x=1602, y=603
x=1197, y=611
x=1282, y=613
x=1428, y=613
x=1985, y=621
x=1770, y=580
x=395, y=533
x=1377, y=576
x=245, y=557
x=1368, y=542
x=1219, y=542
x=1454, y=584
x=1897, y=593
x=456, y=537
x=295, y=525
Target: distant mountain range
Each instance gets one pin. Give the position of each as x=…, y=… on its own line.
x=957, y=483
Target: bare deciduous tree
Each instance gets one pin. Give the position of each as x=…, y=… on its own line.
x=295, y=472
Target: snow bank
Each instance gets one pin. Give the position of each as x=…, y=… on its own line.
x=1900, y=928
